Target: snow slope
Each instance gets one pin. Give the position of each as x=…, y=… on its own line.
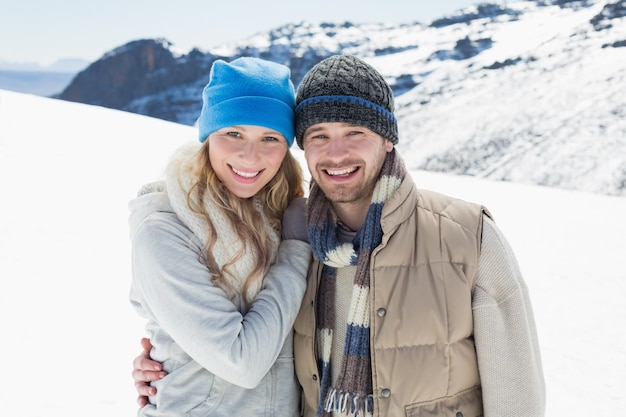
x=68, y=333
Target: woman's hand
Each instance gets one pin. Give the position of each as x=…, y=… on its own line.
x=145, y=370
x=294, y=221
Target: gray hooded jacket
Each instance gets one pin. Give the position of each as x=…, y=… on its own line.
x=221, y=360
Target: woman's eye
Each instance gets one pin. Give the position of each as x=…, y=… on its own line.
x=270, y=139
x=234, y=134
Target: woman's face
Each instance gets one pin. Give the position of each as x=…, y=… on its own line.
x=245, y=158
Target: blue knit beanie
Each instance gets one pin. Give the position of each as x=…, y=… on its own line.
x=248, y=91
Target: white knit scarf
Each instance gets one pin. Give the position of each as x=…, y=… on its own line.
x=178, y=180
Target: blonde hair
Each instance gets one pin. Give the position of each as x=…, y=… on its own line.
x=247, y=222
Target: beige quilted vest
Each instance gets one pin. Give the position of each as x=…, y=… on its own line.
x=423, y=356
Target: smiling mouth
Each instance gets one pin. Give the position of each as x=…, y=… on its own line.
x=245, y=174
x=340, y=172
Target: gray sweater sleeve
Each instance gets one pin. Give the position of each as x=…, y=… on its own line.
x=174, y=291
x=505, y=333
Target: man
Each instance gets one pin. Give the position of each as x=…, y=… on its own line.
x=415, y=303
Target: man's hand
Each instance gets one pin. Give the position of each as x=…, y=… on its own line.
x=146, y=370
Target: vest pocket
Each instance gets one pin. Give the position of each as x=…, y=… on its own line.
x=467, y=403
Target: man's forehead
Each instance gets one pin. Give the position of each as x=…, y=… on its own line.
x=332, y=125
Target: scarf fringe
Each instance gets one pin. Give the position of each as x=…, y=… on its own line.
x=348, y=402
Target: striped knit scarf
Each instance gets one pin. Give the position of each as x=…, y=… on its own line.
x=352, y=390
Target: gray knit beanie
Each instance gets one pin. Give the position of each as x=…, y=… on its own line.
x=345, y=89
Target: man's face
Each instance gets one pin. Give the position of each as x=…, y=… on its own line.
x=345, y=160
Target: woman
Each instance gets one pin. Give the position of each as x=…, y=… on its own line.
x=219, y=289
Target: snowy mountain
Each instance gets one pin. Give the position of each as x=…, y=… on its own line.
x=65, y=65
x=42, y=83
x=69, y=334
x=32, y=78
x=526, y=91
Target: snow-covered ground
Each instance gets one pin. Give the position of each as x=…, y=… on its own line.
x=68, y=333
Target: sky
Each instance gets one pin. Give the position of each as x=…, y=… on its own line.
x=69, y=334
x=32, y=31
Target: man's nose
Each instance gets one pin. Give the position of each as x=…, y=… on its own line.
x=337, y=148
